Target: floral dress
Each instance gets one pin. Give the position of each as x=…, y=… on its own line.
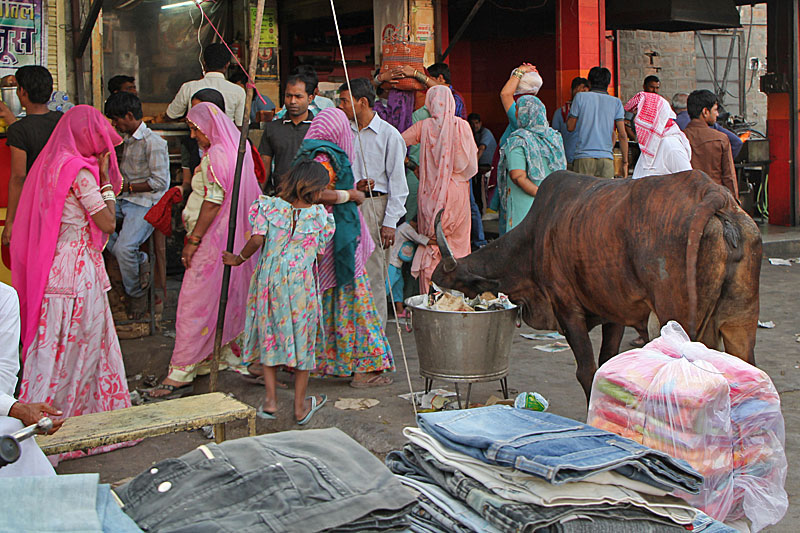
x=75, y=362
x=352, y=339
x=283, y=303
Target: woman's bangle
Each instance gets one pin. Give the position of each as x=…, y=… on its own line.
x=108, y=196
x=106, y=186
x=342, y=197
x=194, y=240
x=518, y=73
x=242, y=258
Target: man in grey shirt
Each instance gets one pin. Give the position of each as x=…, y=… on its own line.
x=145, y=170
x=381, y=169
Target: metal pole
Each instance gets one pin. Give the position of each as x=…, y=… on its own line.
x=237, y=178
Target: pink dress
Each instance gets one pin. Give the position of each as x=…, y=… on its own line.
x=75, y=362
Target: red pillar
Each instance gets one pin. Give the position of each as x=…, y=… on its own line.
x=781, y=85
x=581, y=42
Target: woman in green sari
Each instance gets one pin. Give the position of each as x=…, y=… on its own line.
x=531, y=153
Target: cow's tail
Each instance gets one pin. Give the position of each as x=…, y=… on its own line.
x=712, y=202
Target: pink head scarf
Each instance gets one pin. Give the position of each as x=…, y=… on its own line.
x=198, y=303
x=81, y=135
x=331, y=125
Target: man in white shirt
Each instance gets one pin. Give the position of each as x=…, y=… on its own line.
x=380, y=167
x=13, y=414
x=216, y=60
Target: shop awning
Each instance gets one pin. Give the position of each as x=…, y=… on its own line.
x=671, y=15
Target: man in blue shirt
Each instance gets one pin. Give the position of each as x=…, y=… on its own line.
x=594, y=116
x=570, y=138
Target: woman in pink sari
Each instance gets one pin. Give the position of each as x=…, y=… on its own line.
x=198, y=303
x=71, y=354
x=448, y=160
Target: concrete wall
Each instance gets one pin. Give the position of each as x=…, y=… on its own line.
x=678, y=62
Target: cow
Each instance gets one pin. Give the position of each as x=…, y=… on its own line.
x=606, y=252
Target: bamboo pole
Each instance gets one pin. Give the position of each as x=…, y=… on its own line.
x=237, y=178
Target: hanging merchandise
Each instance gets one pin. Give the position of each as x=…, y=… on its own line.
x=717, y=412
x=399, y=51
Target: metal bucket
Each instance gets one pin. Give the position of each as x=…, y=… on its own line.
x=462, y=347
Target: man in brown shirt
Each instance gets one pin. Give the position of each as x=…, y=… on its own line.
x=711, y=150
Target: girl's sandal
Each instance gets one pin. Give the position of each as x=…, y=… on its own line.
x=173, y=392
x=261, y=413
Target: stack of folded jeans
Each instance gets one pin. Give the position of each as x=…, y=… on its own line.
x=304, y=481
x=501, y=469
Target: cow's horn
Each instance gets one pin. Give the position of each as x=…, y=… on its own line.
x=448, y=260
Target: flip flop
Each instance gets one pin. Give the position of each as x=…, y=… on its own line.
x=261, y=413
x=174, y=392
x=314, y=408
x=259, y=380
x=378, y=380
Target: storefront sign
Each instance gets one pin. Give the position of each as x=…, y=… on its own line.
x=267, y=66
x=423, y=32
x=23, y=36
x=269, y=27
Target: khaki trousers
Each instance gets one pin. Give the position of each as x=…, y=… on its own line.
x=373, y=210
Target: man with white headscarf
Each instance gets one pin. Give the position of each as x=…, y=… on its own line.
x=664, y=147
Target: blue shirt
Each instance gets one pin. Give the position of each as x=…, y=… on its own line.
x=683, y=119
x=596, y=112
x=258, y=105
x=570, y=138
x=485, y=137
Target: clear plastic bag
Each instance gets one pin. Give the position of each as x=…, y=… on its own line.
x=714, y=410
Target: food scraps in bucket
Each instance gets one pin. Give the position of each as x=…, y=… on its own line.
x=451, y=300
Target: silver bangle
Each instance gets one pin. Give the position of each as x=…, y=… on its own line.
x=108, y=196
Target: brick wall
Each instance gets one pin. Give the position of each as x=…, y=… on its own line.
x=678, y=61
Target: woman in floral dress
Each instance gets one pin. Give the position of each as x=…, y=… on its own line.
x=351, y=341
x=71, y=354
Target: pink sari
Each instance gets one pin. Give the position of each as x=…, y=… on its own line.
x=198, y=303
x=81, y=135
x=448, y=160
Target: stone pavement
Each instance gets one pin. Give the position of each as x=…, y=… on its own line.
x=551, y=374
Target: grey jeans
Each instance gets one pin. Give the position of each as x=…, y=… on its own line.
x=305, y=481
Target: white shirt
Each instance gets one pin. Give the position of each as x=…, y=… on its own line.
x=385, y=153
x=672, y=156
x=9, y=346
x=233, y=94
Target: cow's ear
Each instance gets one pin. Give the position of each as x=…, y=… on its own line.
x=480, y=284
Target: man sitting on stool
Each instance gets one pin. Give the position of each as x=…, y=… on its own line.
x=145, y=172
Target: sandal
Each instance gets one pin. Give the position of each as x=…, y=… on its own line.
x=314, y=408
x=174, y=392
x=378, y=380
x=638, y=342
x=259, y=380
x=261, y=413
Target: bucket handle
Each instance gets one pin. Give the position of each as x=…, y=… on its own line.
x=410, y=321
x=518, y=320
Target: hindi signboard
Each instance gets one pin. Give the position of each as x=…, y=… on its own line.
x=23, y=40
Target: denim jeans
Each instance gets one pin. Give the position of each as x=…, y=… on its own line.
x=437, y=500
x=508, y=515
x=553, y=447
x=125, y=244
x=602, y=488
x=476, y=233
x=305, y=481
x=706, y=524
x=61, y=503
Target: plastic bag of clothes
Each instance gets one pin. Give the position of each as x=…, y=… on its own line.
x=717, y=412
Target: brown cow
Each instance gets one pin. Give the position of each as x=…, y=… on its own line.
x=594, y=251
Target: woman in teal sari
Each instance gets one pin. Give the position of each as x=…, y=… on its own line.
x=531, y=153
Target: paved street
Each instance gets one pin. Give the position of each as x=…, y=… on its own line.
x=551, y=374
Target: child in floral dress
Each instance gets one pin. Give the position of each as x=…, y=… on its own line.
x=283, y=304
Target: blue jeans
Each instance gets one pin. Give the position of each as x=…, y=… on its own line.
x=125, y=245
x=309, y=480
x=74, y=502
x=508, y=515
x=553, y=447
x=476, y=233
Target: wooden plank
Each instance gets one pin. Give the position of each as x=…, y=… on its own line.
x=150, y=420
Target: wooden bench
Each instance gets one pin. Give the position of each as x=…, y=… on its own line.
x=149, y=420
